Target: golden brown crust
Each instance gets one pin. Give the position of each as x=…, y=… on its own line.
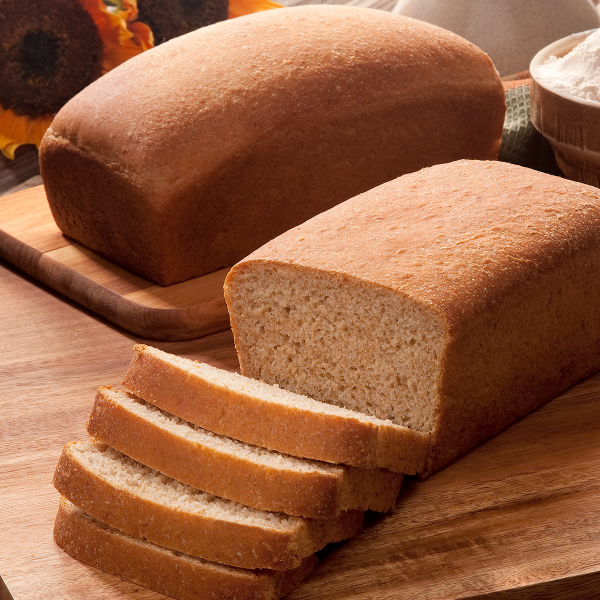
x=315, y=492
x=308, y=432
x=223, y=540
x=504, y=256
x=161, y=570
x=352, y=96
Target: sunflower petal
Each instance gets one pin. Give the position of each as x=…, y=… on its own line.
x=40, y=125
x=122, y=37
x=129, y=10
x=17, y=130
x=142, y=34
x=118, y=54
x=238, y=8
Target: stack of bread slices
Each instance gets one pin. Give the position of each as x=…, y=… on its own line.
x=200, y=483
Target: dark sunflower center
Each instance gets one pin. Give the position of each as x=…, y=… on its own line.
x=171, y=18
x=189, y=8
x=49, y=51
x=38, y=54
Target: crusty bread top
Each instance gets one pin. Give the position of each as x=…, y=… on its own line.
x=251, y=75
x=459, y=237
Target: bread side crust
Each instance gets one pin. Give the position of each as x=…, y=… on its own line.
x=308, y=432
x=216, y=539
x=541, y=343
x=161, y=570
x=102, y=216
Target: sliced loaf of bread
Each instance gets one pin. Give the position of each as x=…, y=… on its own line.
x=162, y=570
x=268, y=416
x=231, y=469
x=452, y=300
x=146, y=504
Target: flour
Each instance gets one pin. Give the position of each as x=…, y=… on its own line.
x=577, y=73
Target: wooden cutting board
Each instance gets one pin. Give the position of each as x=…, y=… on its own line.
x=517, y=518
x=31, y=241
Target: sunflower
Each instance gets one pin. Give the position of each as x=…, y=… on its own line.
x=51, y=50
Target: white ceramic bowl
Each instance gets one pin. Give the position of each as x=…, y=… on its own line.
x=571, y=124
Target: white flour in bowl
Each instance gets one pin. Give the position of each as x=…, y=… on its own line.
x=577, y=73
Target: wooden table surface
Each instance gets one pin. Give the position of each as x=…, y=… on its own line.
x=517, y=518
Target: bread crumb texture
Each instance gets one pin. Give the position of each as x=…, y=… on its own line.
x=127, y=474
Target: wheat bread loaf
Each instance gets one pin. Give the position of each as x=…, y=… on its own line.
x=188, y=157
x=162, y=570
x=453, y=301
x=271, y=417
x=146, y=504
x=230, y=469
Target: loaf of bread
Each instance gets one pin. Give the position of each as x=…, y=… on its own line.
x=162, y=570
x=271, y=417
x=146, y=504
x=188, y=157
x=253, y=476
x=452, y=301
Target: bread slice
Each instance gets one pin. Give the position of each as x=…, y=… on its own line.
x=268, y=416
x=146, y=504
x=230, y=469
x=453, y=300
x=161, y=570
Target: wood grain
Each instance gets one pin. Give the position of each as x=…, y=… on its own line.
x=517, y=513
x=31, y=241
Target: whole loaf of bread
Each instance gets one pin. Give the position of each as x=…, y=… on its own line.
x=188, y=157
x=453, y=300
